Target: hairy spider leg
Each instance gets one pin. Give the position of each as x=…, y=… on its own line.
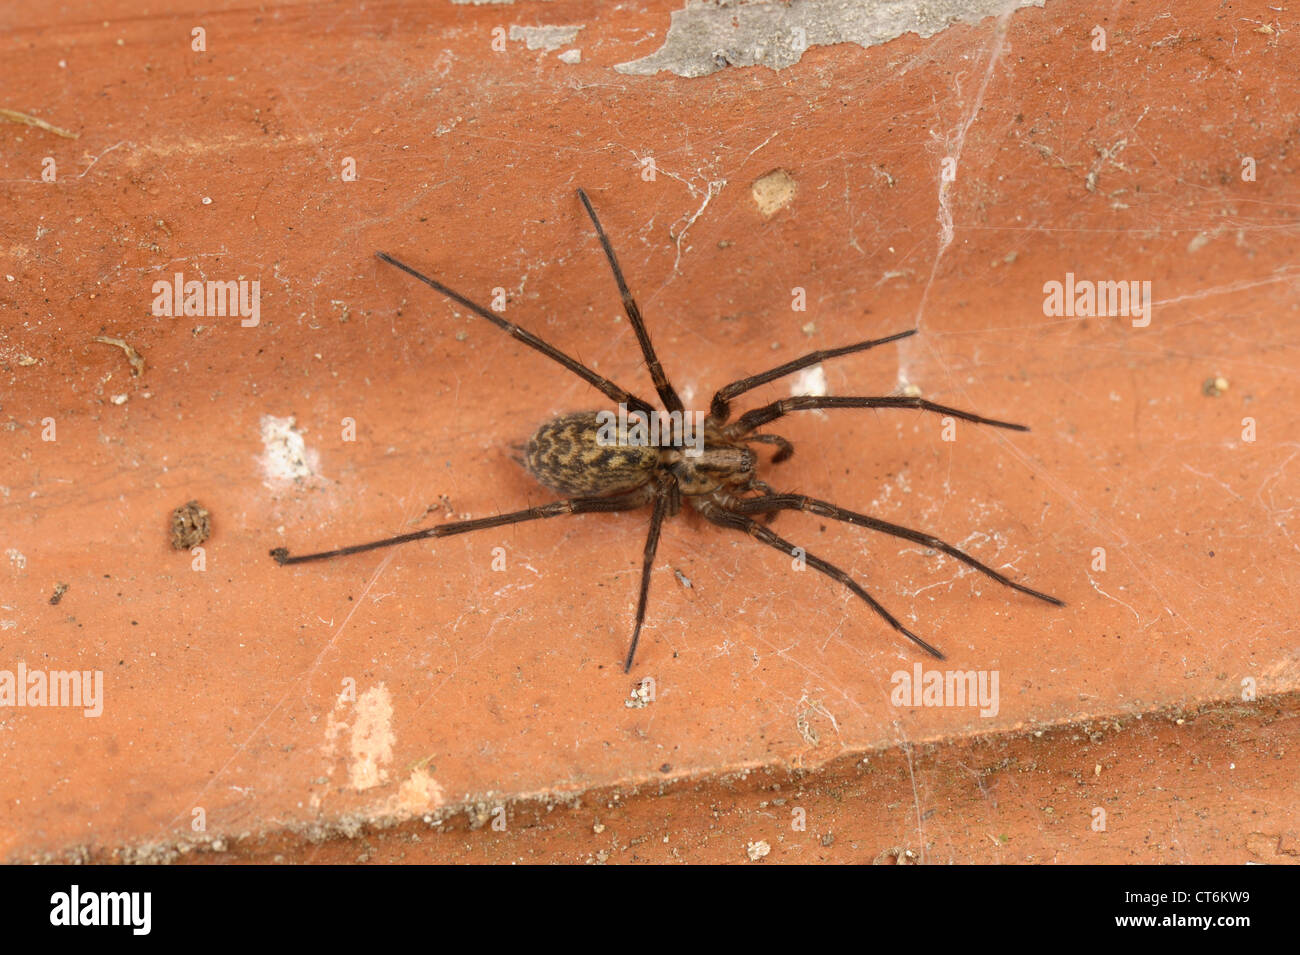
x=799, y=502
x=724, y=518
x=651, y=546
x=779, y=409
x=606, y=386
x=577, y=505
x=667, y=394
x=574, y=505
x=720, y=408
x=783, y=447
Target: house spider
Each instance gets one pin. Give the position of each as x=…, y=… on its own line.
x=573, y=456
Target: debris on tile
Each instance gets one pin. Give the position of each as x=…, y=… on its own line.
x=896, y=855
x=773, y=191
x=757, y=850
x=23, y=119
x=1215, y=386
x=286, y=457
x=59, y=591
x=572, y=57
x=191, y=525
x=133, y=356
x=640, y=696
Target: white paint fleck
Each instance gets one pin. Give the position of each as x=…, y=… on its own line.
x=419, y=793
x=810, y=381
x=17, y=559
x=286, y=456
x=544, y=38
x=572, y=57
x=372, y=739
x=710, y=35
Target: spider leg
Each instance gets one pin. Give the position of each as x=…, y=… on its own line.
x=606, y=386
x=713, y=511
x=667, y=394
x=651, y=546
x=574, y=505
x=720, y=410
x=783, y=447
x=763, y=488
x=779, y=409
x=798, y=502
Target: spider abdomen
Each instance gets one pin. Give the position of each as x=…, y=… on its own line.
x=573, y=455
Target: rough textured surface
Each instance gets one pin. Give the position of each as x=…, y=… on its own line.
x=712, y=35
x=940, y=183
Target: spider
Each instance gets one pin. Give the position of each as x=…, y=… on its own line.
x=573, y=456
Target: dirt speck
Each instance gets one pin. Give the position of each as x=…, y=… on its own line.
x=59, y=591
x=896, y=855
x=1215, y=386
x=191, y=525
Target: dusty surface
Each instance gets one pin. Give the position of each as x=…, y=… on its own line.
x=940, y=184
x=1171, y=787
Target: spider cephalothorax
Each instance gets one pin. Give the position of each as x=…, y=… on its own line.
x=607, y=461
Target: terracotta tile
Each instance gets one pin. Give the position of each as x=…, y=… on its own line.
x=294, y=703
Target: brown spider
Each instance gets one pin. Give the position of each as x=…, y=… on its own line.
x=574, y=455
